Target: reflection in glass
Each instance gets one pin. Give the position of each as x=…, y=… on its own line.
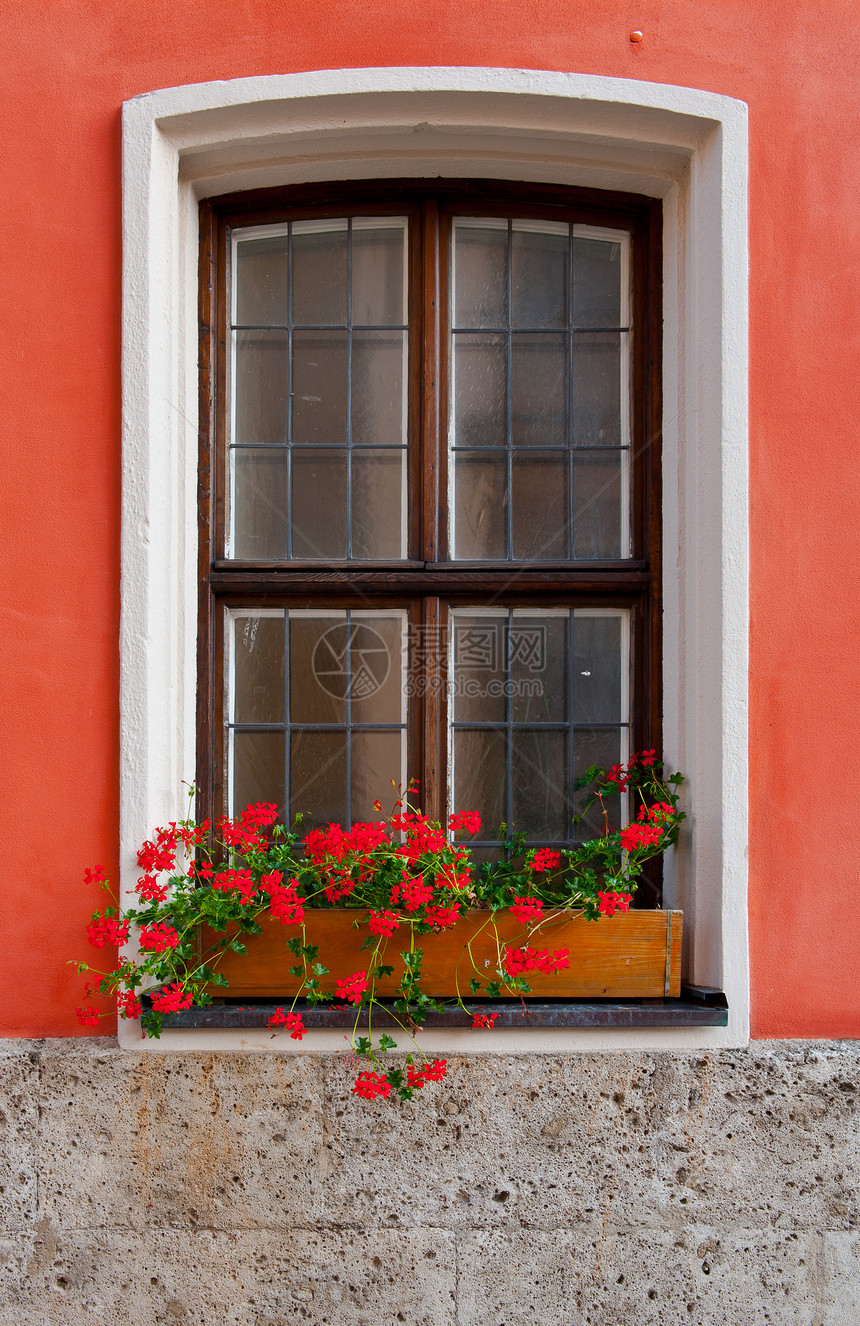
x=378, y=484
x=539, y=257
x=480, y=486
x=319, y=502
x=598, y=517
x=540, y=518
x=258, y=669
x=540, y=783
x=480, y=391
x=261, y=281
x=257, y=769
x=260, y=388
x=320, y=273
x=480, y=264
x=260, y=504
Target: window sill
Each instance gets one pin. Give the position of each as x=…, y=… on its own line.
x=697, y=1007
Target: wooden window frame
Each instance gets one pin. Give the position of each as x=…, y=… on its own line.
x=428, y=580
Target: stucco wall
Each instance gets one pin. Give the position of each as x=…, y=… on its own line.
x=69, y=66
x=606, y=1190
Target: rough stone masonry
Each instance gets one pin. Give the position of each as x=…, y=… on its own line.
x=253, y=1189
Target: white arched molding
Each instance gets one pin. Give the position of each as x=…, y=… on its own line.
x=688, y=148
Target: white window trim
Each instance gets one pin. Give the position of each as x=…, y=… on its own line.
x=688, y=148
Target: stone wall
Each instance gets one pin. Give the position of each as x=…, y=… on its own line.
x=254, y=1190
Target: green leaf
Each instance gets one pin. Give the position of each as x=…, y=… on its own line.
x=320, y=969
x=386, y=1042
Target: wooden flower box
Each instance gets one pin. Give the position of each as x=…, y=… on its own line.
x=633, y=954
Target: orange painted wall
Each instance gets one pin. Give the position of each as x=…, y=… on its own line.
x=68, y=66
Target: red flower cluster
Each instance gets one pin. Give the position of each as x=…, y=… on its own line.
x=420, y=834
x=610, y=903
x=104, y=930
x=88, y=1017
x=485, y=1020
x=171, y=999
x=545, y=859
x=659, y=813
x=465, y=821
x=419, y=1077
x=414, y=893
x=241, y=880
x=443, y=917
x=526, y=909
x=158, y=937
x=95, y=877
x=128, y=1004
x=519, y=960
x=455, y=881
x=383, y=923
x=150, y=890
x=370, y=1085
x=351, y=988
x=293, y=1021
x=152, y=857
x=640, y=835
x=285, y=905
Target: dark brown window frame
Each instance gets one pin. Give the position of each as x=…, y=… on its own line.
x=427, y=581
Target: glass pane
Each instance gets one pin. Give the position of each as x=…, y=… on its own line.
x=260, y=505
x=319, y=508
x=597, y=384
x=377, y=761
x=258, y=769
x=258, y=669
x=540, y=783
x=538, y=391
x=378, y=269
x=319, y=273
x=376, y=657
x=598, y=520
x=596, y=282
x=539, y=668
x=378, y=399
x=378, y=493
x=260, y=387
x=603, y=748
x=540, y=505
x=318, y=668
x=320, y=379
x=478, y=666
x=261, y=281
x=480, y=392
x=480, y=482
x=597, y=669
x=539, y=275
x=480, y=263
x=479, y=777
x=318, y=777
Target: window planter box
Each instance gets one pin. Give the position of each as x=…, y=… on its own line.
x=630, y=955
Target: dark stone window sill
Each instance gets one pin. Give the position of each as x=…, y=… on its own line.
x=697, y=1007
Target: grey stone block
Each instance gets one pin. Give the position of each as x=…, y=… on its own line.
x=600, y=1275
x=19, y=1112
x=164, y=1277
x=230, y=1141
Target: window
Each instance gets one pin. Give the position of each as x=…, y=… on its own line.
x=430, y=536
x=687, y=150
